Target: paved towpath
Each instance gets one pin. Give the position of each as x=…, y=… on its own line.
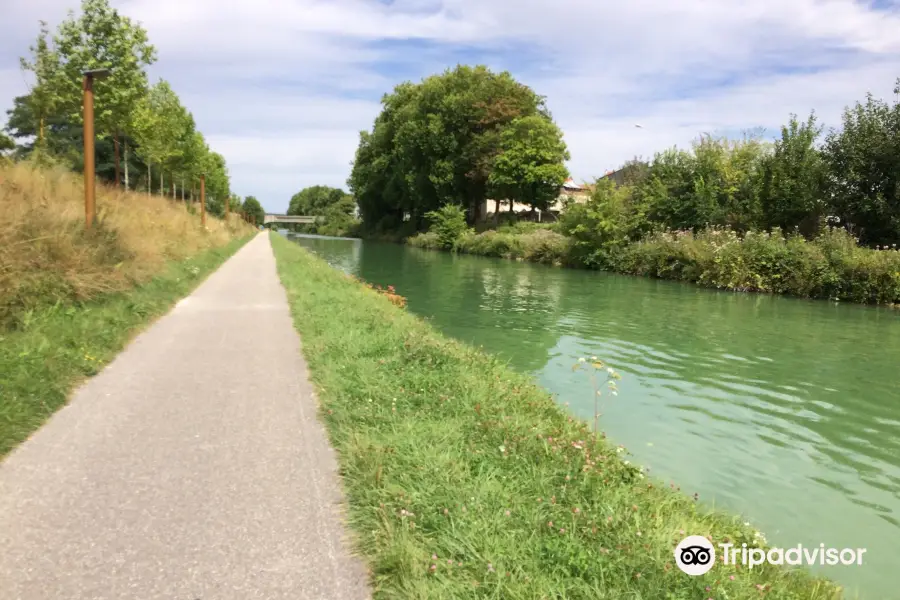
x=192, y=468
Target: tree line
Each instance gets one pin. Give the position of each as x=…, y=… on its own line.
x=335, y=207
x=146, y=138
x=469, y=134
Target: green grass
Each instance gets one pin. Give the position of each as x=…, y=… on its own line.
x=56, y=348
x=466, y=480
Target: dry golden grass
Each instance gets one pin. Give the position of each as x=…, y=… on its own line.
x=46, y=256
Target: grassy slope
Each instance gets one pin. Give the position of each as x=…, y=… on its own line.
x=55, y=348
x=465, y=480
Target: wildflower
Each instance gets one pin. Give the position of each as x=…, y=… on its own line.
x=434, y=557
x=731, y=577
x=507, y=513
x=549, y=523
x=562, y=530
x=490, y=568
x=576, y=510
x=432, y=568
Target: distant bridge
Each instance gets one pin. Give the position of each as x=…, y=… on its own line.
x=288, y=219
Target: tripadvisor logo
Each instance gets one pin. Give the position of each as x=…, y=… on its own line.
x=695, y=555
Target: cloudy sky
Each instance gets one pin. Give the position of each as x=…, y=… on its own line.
x=282, y=87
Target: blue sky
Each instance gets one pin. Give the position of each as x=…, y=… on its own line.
x=282, y=87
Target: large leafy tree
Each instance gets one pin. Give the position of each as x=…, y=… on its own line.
x=100, y=37
x=435, y=143
x=531, y=167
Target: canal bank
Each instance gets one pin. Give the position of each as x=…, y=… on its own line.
x=775, y=408
x=466, y=480
x=832, y=266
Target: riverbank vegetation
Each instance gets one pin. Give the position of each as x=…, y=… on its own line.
x=812, y=214
x=70, y=299
x=466, y=480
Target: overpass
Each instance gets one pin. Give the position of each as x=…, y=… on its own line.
x=288, y=219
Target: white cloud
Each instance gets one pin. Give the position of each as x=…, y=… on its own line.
x=281, y=87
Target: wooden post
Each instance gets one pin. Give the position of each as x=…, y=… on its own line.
x=203, y=200
x=89, y=157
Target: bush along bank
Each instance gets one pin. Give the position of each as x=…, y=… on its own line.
x=465, y=480
x=832, y=265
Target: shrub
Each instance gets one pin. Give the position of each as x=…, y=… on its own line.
x=448, y=223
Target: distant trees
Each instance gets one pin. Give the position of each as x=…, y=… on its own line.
x=138, y=126
x=438, y=142
x=333, y=205
x=253, y=210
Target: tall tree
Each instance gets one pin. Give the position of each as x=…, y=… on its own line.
x=435, y=143
x=102, y=38
x=530, y=169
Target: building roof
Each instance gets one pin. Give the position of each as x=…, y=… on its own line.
x=570, y=184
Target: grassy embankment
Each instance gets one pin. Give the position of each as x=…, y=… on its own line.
x=70, y=300
x=832, y=266
x=465, y=480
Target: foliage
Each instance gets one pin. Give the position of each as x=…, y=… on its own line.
x=253, y=210
x=863, y=161
x=831, y=266
x=530, y=168
x=447, y=223
x=435, y=143
x=334, y=205
x=793, y=179
x=6, y=144
x=609, y=219
x=100, y=37
x=466, y=480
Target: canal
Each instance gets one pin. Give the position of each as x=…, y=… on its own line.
x=782, y=410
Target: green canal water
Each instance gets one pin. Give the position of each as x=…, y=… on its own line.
x=782, y=410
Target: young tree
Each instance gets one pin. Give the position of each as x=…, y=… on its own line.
x=102, y=38
x=530, y=169
x=157, y=125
